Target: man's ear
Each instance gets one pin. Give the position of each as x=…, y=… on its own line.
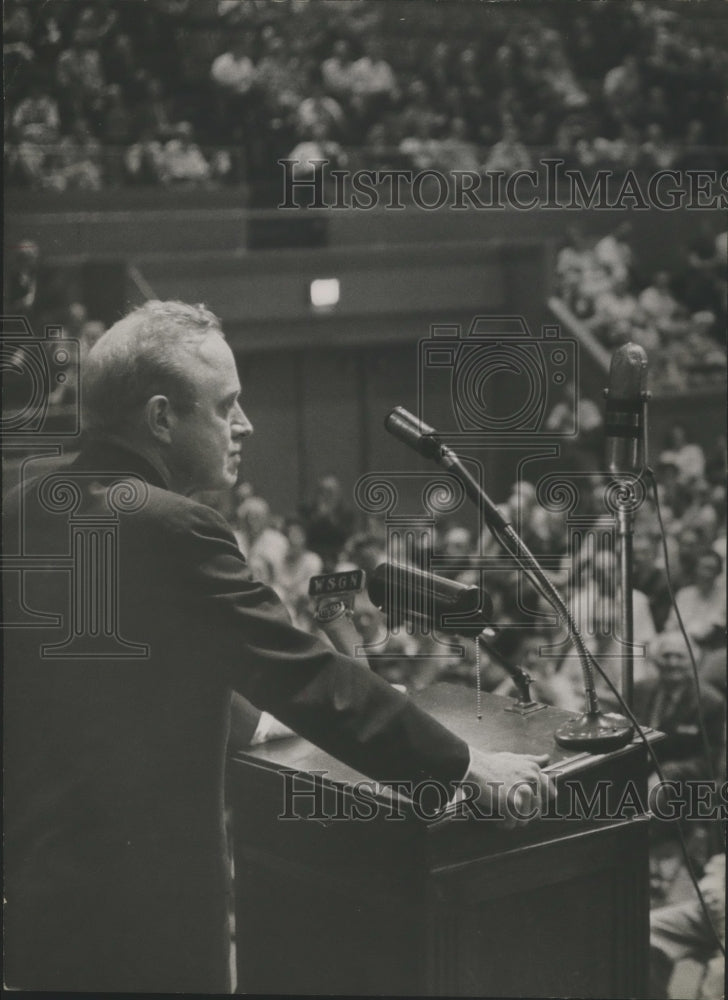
x=160, y=418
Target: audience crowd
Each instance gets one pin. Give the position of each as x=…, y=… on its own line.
x=679, y=317
x=191, y=93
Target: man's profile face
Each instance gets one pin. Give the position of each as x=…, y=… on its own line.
x=206, y=441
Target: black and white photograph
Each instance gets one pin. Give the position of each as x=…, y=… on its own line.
x=364, y=450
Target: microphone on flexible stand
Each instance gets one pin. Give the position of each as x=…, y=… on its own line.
x=594, y=731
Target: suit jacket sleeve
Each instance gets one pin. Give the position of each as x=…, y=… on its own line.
x=328, y=698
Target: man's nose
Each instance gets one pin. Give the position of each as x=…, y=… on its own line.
x=241, y=426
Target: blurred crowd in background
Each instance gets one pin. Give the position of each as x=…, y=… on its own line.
x=207, y=92
x=679, y=317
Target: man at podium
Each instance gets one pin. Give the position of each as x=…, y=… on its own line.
x=116, y=721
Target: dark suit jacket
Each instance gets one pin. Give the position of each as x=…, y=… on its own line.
x=675, y=713
x=116, y=869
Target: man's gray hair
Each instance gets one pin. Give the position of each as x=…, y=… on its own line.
x=140, y=356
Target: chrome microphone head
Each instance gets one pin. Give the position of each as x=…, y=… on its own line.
x=623, y=425
x=413, y=432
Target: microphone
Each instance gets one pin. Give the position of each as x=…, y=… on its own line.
x=404, y=592
x=425, y=440
x=413, y=432
x=626, y=397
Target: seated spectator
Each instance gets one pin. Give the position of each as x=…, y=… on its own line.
x=462, y=669
x=682, y=931
x=122, y=65
x=458, y=548
x=622, y=88
x=625, y=151
x=79, y=159
x=278, y=79
x=329, y=521
x=694, y=149
x=456, y=151
x=700, y=512
x=390, y=654
x=298, y=564
x=419, y=150
x=702, y=604
x=468, y=81
x=654, y=107
x=529, y=518
x=687, y=456
x=580, y=419
x=95, y=22
x=80, y=76
x=615, y=254
x=263, y=545
x=116, y=134
x=36, y=118
x=117, y=120
x=702, y=283
x=509, y=154
x=336, y=71
x=316, y=153
x=154, y=111
x=183, y=160
x=19, y=58
x=685, y=548
x=668, y=701
x=20, y=282
x=559, y=77
x=650, y=578
x=657, y=152
x=595, y=601
x=144, y=160
x=234, y=70
x=703, y=341
x=418, y=116
x=658, y=303
x=319, y=109
x=614, y=308
x=381, y=148
x=373, y=83
x=361, y=551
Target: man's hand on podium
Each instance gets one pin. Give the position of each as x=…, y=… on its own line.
x=510, y=785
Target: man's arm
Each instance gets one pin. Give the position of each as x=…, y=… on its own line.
x=324, y=696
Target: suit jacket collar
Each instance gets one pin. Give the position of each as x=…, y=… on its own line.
x=109, y=454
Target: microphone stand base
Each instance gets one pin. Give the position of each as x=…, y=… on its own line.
x=595, y=732
x=524, y=707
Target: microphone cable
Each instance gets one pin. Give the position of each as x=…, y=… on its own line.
x=688, y=644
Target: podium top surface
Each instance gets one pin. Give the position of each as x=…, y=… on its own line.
x=454, y=706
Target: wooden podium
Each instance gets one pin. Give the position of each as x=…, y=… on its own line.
x=448, y=907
